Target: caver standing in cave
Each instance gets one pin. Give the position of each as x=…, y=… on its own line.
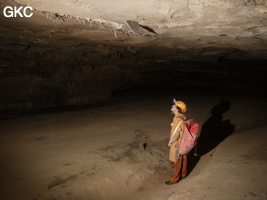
x=179, y=161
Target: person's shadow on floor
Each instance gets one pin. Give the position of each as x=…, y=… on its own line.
x=213, y=132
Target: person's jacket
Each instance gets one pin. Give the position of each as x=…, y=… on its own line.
x=175, y=138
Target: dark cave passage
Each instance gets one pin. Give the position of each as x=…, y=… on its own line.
x=52, y=74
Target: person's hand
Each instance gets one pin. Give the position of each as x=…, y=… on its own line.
x=169, y=144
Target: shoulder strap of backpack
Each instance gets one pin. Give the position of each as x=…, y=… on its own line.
x=175, y=130
x=178, y=124
x=181, y=118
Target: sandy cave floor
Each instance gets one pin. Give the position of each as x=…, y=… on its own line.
x=118, y=150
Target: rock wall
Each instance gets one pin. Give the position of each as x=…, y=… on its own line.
x=59, y=60
x=53, y=73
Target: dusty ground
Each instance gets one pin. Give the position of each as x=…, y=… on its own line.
x=118, y=150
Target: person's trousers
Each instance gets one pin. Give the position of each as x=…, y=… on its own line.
x=180, y=169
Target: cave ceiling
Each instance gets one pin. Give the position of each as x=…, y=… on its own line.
x=171, y=24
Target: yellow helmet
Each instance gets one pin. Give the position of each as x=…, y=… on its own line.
x=181, y=105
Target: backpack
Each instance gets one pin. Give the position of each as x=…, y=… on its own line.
x=189, y=137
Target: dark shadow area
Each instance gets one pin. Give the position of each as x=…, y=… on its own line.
x=212, y=133
x=148, y=29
